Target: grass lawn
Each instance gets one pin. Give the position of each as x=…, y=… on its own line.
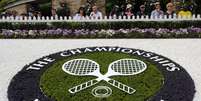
x=55, y=82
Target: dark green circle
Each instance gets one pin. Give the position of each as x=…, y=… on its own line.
x=55, y=82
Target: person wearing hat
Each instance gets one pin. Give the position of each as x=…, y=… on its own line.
x=157, y=13
x=142, y=11
x=129, y=10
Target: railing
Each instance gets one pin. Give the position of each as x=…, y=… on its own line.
x=104, y=19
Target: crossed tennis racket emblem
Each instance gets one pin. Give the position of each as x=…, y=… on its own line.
x=87, y=67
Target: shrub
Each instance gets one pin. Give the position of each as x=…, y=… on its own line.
x=101, y=25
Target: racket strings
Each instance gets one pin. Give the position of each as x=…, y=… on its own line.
x=80, y=67
x=127, y=66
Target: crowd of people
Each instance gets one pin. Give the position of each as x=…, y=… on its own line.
x=171, y=11
x=116, y=11
x=14, y=13
x=155, y=13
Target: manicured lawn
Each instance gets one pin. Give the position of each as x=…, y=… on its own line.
x=55, y=82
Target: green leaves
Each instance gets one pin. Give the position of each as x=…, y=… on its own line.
x=101, y=25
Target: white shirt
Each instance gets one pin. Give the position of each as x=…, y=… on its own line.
x=78, y=17
x=157, y=14
x=96, y=15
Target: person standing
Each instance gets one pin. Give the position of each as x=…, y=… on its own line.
x=95, y=13
x=157, y=13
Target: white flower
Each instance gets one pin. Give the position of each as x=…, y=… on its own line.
x=123, y=31
x=31, y=32
x=110, y=32
x=102, y=31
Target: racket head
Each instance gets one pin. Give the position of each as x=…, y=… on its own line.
x=80, y=67
x=126, y=67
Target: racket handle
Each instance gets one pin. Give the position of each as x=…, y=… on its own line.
x=83, y=86
x=121, y=86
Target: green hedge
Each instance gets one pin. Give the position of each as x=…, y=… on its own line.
x=102, y=25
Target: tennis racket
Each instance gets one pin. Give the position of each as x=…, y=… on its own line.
x=84, y=67
x=123, y=67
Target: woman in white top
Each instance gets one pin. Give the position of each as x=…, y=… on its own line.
x=80, y=14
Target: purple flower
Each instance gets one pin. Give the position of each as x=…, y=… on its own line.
x=50, y=32
x=101, y=33
x=184, y=31
x=58, y=31
x=7, y=32
x=66, y=32
x=77, y=32
x=194, y=30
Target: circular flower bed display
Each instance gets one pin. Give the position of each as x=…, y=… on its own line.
x=102, y=73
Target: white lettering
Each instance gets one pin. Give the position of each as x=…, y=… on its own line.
x=34, y=68
x=118, y=49
x=75, y=51
x=87, y=50
x=41, y=63
x=65, y=54
x=148, y=55
x=171, y=67
x=156, y=58
x=48, y=59
x=111, y=49
x=100, y=49
x=138, y=52
x=165, y=61
x=127, y=51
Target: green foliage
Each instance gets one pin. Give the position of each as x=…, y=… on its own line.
x=55, y=82
x=164, y=3
x=198, y=6
x=45, y=8
x=4, y=2
x=1, y=10
x=102, y=25
x=6, y=25
x=105, y=25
